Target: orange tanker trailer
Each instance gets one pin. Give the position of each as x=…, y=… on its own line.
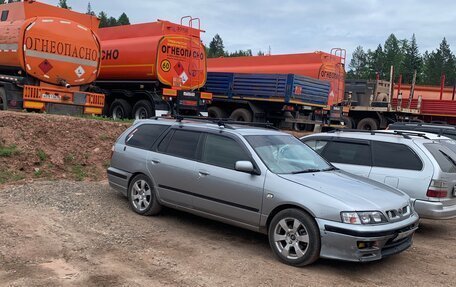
x=318, y=65
x=153, y=69
x=48, y=58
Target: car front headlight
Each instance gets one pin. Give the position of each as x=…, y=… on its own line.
x=363, y=217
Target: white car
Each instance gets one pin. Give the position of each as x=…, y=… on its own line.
x=423, y=165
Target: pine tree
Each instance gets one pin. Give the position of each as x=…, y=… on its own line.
x=377, y=63
x=112, y=22
x=104, y=21
x=63, y=4
x=216, y=48
x=358, y=64
x=123, y=20
x=412, y=62
x=393, y=50
x=89, y=10
x=448, y=62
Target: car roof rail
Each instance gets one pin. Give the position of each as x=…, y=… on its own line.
x=405, y=134
x=223, y=122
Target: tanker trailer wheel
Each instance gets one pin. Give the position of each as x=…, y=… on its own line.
x=241, y=115
x=3, y=105
x=143, y=110
x=120, y=109
x=216, y=112
x=349, y=122
x=369, y=124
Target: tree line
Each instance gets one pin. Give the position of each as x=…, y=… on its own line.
x=404, y=55
x=105, y=20
x=217, y=49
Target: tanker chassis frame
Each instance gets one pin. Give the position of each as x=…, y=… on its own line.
x=145, y=99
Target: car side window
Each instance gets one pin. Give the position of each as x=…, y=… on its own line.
x=348, y=153
x=317, y=145
x=393, y=155
x=181, y=143
x=223, y=151
x=144, y=136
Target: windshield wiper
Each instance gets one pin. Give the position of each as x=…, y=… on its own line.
x=330, y=168
x=307, y=170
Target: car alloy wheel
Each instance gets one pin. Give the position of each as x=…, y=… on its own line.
x=291, y=238
x=141, y=195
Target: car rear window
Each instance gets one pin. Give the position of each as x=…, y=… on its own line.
x=348, y=153
x=144, y=136
x=444, y=157
x=181, y=144
x=392, y=155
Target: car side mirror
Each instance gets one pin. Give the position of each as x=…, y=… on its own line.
x=244, y=166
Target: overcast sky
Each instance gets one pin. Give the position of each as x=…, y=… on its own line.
x=294, y=26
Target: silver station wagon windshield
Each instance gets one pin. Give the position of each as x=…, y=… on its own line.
x=286, y=154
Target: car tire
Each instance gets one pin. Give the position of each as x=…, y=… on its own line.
x=241, y=115
x=294, y=237
x=120, y=109
x=369, y=124
x=141, y=196
x=216, y=112
x=143, y=110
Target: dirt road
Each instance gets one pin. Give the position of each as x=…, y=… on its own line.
x=82, y=234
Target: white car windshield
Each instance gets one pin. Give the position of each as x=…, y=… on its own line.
x=286, y=154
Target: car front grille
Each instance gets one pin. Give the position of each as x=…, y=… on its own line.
x=397, y=214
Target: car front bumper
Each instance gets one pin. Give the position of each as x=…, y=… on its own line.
x=363, y=242
x=434, y=210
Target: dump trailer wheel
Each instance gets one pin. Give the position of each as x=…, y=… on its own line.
x=368, y=124
x=216, y=112
x=241, y=115
x=143, y=109
x=120, y=109
x=349, y=122
x=3, y=103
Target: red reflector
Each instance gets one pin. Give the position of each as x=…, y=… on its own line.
x=437, y=193
x=188, y=103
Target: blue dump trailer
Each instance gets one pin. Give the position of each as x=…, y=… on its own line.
x=286, y=100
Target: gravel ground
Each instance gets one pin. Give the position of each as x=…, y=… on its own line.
x=83, y=234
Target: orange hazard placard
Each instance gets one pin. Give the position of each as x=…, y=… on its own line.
x=181, y=61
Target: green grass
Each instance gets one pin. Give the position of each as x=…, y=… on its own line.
x=7, y=151
x=38, y=172
x=41, y=155
x=106, y=119
x=78, y=172
x=9, y=176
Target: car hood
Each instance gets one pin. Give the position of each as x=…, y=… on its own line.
x=359, y=193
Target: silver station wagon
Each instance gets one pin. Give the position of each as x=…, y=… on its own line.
x=423, y=165
x=263, y=180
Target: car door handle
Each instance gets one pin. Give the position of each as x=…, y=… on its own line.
x=155, y=161
x=203, y=173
